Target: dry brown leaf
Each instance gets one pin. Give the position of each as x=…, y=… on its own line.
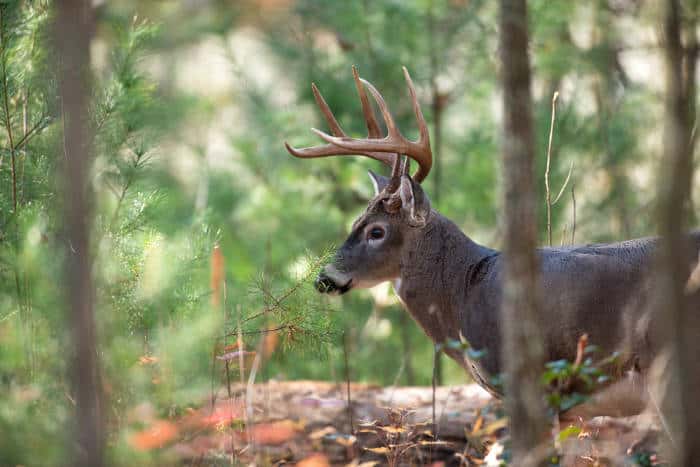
x=274, y=433
x=357, y=463
x=157, y=435
x=493, y=427
x=434, y=443
x=392, y=429
x=380, y=450
x=478, y=424
x=314, y=460
x=225, y=413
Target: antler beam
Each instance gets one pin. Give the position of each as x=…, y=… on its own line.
x=387, y=149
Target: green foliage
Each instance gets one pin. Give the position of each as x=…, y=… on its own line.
x=569, y=383
x=182, y=163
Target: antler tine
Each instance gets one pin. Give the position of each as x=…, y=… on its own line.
x=394, y=141
x=384, y=109
x=387, y=149
x=330, y=118
x=373, y=130
x=422, y=126
x=395, y=174
x=327, y=150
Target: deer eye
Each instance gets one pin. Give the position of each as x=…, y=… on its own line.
x=376, y=233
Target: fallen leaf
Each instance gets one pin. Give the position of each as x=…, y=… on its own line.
x=392, y=429
x=314, y=460
x=224, y=414
x=478, y=424
x=274, y=433
x=157, y=435
x=357, y=463
x=493, y=427
x=434, y=443
x=380, y=450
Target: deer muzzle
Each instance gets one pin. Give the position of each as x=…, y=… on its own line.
x=332, y=281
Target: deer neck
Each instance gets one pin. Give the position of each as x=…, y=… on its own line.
x=433, y=276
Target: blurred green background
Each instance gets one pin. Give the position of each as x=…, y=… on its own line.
x=192, y=101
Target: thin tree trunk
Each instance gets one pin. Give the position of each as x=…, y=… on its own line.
x=437, y=109
x=72, y=34
x=690, y=85
x=405, y=324
x=681, y=323
x=522, y=349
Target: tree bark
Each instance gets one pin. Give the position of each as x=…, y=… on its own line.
x=522, y=349
x=681, y=321
x=72, y=32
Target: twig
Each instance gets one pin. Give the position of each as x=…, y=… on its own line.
x=6, y=106
x=249, y=391
x=347, y=382
x=436, y=356
x=287, y=293
x=546, y=172
x=564, y=232
x=566, y=182
x=224, y=305
x=396, y=380
x=573, y=200
x=42, y=123
x=230, y=401
x=241, y=372
x=239, y=331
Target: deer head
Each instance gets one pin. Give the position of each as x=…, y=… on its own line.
x=397, y=214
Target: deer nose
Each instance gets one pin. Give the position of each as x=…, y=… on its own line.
x=325, y=284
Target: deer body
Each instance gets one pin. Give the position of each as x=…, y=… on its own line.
x=451, y=285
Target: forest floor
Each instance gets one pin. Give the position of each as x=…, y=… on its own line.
x=308, y=423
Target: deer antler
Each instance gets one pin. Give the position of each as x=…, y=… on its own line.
x=387, y=149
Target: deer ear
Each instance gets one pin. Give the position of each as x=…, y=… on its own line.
x=379, y=181
x=414, y=202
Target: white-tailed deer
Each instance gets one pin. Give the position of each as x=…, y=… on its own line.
x=450, y=284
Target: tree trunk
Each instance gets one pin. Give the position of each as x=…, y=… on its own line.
x=72, y=32
x=522, y=344
x=522, y=349
x=437, y=109
x=681, y=321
